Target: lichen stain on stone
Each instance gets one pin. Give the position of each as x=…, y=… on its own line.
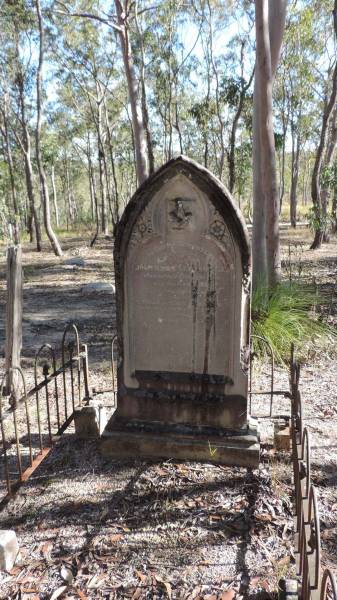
x=210, y=314
x=194, y=294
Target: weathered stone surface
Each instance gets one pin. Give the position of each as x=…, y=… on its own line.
x=182, y=266
x=282, y=438
x=90, y=421
x=237, y=450
x=9, y=549
x=77, y=261
x=288, y=589
x=98, y=287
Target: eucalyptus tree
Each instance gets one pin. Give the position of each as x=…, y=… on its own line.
x=88, y=73
x=329, y=175
x=227, y=72
x=169, y=65
x=124, y=15
x=18, y=78
x=269, y=21
x=124, y=23
x=7, y=153
x=295, y=97
x=329, y=106
x=39, y=109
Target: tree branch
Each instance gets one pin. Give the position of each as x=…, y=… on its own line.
x=86, y=15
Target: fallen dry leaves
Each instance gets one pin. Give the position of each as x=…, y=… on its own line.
x=168, y=530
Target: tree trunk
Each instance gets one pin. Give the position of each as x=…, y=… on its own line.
x=29, y=173
x=136, y=112
x=96, y=208
x=295, y=160
x=31, y=196
x=68, y=195
x=43, y=179
x=316, y=174
x=56, y=210
x=328, y=161
x=91, y=187
x=221, y=162
x=104, y=217
x=10, y=164
x=204, y=130
x=266, y=251
x=115, y=216
x=145, y=112
x=334, y=207
x=13, y=315
x=232, y=138
x=92, y=200
x=266, y=141
x=259, y=248
x=285, y=120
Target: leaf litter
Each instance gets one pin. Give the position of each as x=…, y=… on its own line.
x=140, y=529
x=92, y=529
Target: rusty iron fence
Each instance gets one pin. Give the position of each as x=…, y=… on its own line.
x=31, y=420
x=114, y=363
x=315, y=585
x=110, y=392
x=269, y=390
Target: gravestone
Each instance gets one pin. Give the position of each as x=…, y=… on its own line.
x=182, y=269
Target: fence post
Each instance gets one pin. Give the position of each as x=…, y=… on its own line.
x=84, y=350
x=13, y=315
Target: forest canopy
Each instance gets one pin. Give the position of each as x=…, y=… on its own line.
x=95, y=95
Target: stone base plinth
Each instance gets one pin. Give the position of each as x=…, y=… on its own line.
x=232, y=450
x=90, y=421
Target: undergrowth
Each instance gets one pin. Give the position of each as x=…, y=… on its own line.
x=285, y=315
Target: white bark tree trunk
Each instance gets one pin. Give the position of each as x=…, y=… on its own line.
x=139, y=132
x=318, y=204
x=13, y=314
x=56, y=210
x=43, y=179
x=270, y=22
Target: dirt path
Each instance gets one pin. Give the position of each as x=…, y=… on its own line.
x=55, y=294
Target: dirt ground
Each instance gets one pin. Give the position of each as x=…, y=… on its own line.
x=92, y=528
x=53, y=297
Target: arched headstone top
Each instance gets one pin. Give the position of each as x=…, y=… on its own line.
x=227, y=215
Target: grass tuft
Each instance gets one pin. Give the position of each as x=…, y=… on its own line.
x=284, y=316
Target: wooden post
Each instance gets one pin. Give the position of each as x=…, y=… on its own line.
x=13, y=313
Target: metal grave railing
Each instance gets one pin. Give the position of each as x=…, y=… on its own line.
x=30, y=419
x=315, y=585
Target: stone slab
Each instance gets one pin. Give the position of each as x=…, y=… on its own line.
x=90, y=421
x=288, y=589
x=98, y=287
x=182, y=409
x=76, y=261
x=9, y=549
x=282, y=437
x=237, y=450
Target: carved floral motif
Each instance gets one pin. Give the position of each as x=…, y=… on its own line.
x=219, y=230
